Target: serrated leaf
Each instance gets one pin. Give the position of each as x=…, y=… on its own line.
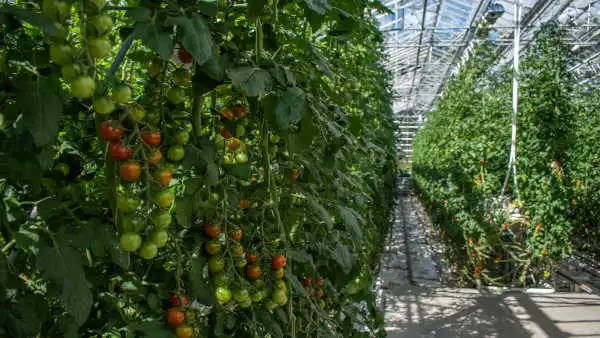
x=253, y=81
x=185, y=212
x=300, y=256
x=321, y=212
x=296, y=285
x=290, y=108
x=321, y=62
x=319, y=6
x=350, y=218
x=199, y=286
x=156, y=37
x=195, y=37
x=64, y=267
x=35, y=19
x=139, y=14
x=211, y=174
x=342, y=256
x=41, y=105
x=153, y=329
x=271, y=326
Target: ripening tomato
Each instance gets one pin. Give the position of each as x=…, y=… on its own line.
x=252, y=258
x=212, y=247
x=212, y=230
x=111, y=130
x=226, y=133
x=240, y=111
x=184, y=56
x=235, y=234
x=294, y=174
x=237, y=251
x=227, y=114
x=130, y=171
x=253, y=271
x=184, y=331
x=163, y=177
x=318, y=294
x=279, y=297
x=279, y=284
x=278, y=274
x=319, y=283
x=175, y=316
x=155, y=158
x=244, y=204
x=120, y=152
x=278, y=262
x=235, y=144
x=151, y=138
x=307, y=281
x=177, y=301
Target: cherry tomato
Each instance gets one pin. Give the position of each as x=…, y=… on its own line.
x=127, y=203
x=164, y=198
x=121, y=94
x=212, y=247
x=176, y=95
x=280, y=285
x=71, y=71
x=241, y=295
x=258, y=295
x=270, y=304
x=222, y=279
x=162, y=219
x=177, y=301
x=182, y=137
x=160, y=238
x=294, y=174
x=102, y=23
x=307, y=281
x=130, y=241
x=119, y=152
x=235, y=144
x=241, y=158
x=235, y=234
x=111, y=130
x=279, y=297
x=227, y=114
x=163, y=177
x=252, y=258
x=175, y=317
x=61, y=54
x=279, y=274
x=212, y=230
x=131, y=223
x=99, y=48
x=319, y=293
x=155, y=67
x=240, y=111
x=176, y=153
x=184, y=56
x=228, y=159
x=184, y=331
x=278, y=262
x=148, y=251
x=319, y=283
x=151, y=138
x=226, y=133
x=216, y=264
x=253, y=271
x=137, y=113
x=244, y=204
x=240, y=261
x=83, y=87
x=223, y=295
x=103, y=106
x=259, y=282
x=237, y=251
x=182, y=77
x=130, y=171
x=155, y=158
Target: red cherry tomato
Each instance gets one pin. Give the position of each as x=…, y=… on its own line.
x=251, y=258
x=177, y=301
x=175, y=317
x=226, y=133
x=240, y=111
x=111, y=130
x=212, y=230
x=253, y=271
x=120, y=152
x=151, y=138
x=184, y=56
x=235, y=234
x=307, y=281
x=130, y=171
x=228, y=114
x=278, y=262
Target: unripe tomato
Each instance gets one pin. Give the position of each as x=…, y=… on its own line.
x=270, y=304
x=120, y=152
x=155, y=158
x=111, y=131
x=184, y=56
x=177, y=301
x=228, y=159
x=61, y=54
x=176, y=153
x=184, y=331
x=216, y=264
x=278, y=274
x=137, y=113
x=83, y=87
x=162, y=219
x=235, y=234
x=176, y=95
x=56, y=10
x=228, y=114
x=237, y=251
x=241, y=295
x=163, y=177
x=182, y=77
x=164, y=198
x=279, y=297
x=212, y=247
x=131, y=223
x=121, y=94
x=148, y=251
x=130, y=171
x=258, y=296
x=241, y=157
x=234, y=144
x=279, y=284
x=182, y=137
x=60, y=33
x=102, y=23
x=259, y=282
x=246, y=303
x=240, y=111
x=127, y=203
x=155, y=67
x=222, y=279
x=240, y=262
x=151, y=138
x=253, y=271
x=160, y=238
x=104, y=106
x=130, y=241
x=212, y=230
x=223, y=295
x=278, y=262
x=175, y=317
x=99, y=48
x=71, y=71
x=252, y=258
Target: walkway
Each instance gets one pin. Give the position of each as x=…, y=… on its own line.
x=416, y=305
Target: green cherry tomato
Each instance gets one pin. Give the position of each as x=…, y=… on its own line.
x=220, y=141
x=102, y=23
x=259, y=282
x=228, y=159
x=258, y=295
x=61, y=54
x=241, y=157
x=104, y=106
x=128, y=204
x=62, y=168
x=56, y=10
x=241, y=295
x=222, y=279
x=182, y=77
x=155, y=67
x=270, y=305
x=223, y=295
x=131, y=223
x=274, y=139
x=99, y=48
x=162, y=219
x=130, y=241
x=70, y=72
x=214, y=197
x=216, y=264
x=148, y=251
x=279, y=297
x=160, y=238
x=176, y=95
x=83, y=87
x=176, y=153
x=182, y=137
x=137, y=113
x=164, y=198
x=121, y=95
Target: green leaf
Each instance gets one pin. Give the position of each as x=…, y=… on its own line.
x=342, y=256
x=64, y=267
x=41, y=106
x=211, y=174
x=253, y=81
x=296, y=285
x=240, y=170
x=319, y=6
x=3, y=270
x=38, y=20
x=185, y=212
x=255, y=7
x=350, y=217
x=139, y=14
x=154, y=329
x=290, y=108
x=271, y=326
x=215, y=67
x=198, y=284
x=300, y=256
x=156, y=37
x=195, y=37
x=320, y=210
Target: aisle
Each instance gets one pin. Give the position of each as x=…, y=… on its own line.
x=416, y=304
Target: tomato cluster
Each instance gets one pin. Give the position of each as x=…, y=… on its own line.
x=232, y=130
x=177, y=317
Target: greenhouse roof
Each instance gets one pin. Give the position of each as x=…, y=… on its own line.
x=426, y=40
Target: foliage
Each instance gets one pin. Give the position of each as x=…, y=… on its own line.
x=233, y=161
